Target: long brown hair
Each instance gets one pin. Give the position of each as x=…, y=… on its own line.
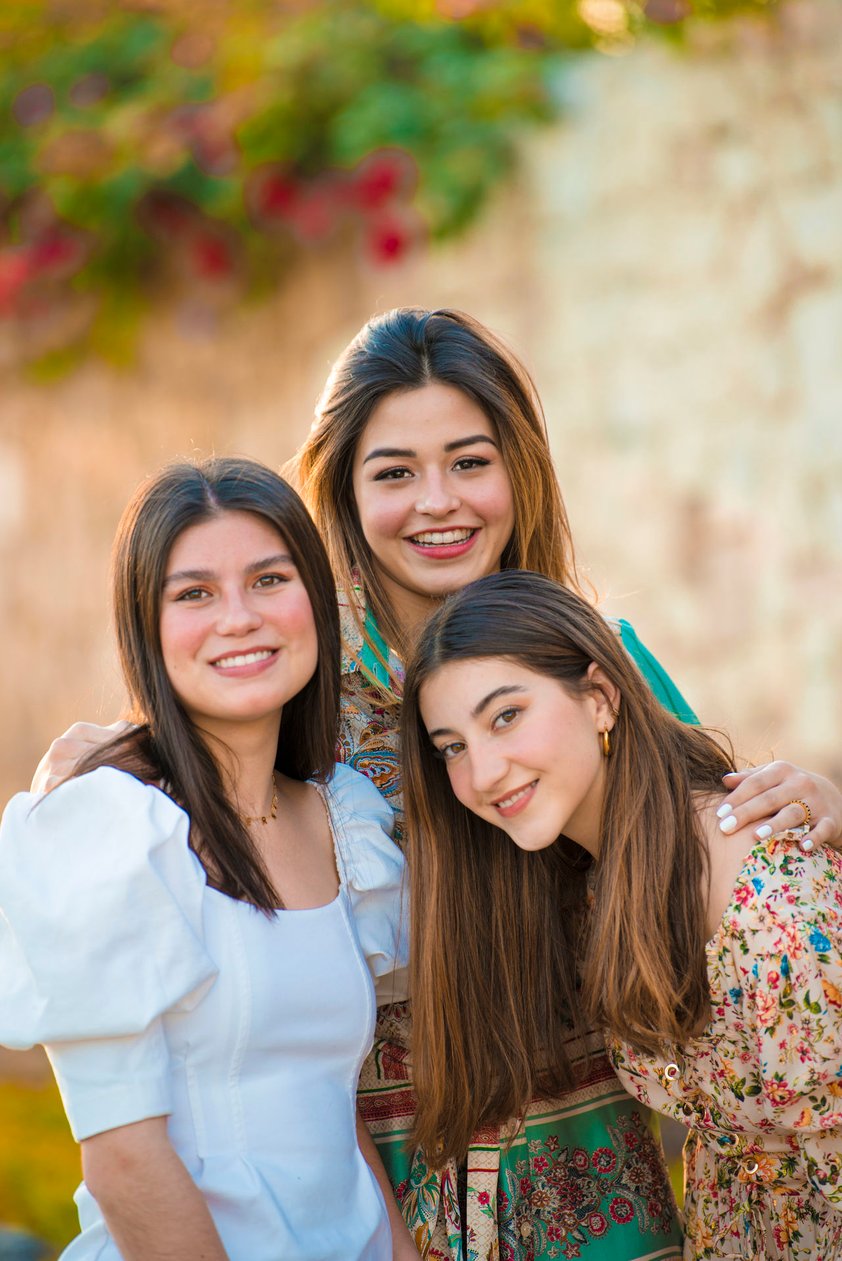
x=406, y=349
x=501, y=967
x=166, y=747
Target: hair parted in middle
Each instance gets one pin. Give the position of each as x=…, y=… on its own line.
x=494, y=1031
x=404, y=350
x=165, y=746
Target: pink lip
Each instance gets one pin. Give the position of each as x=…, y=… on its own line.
x=249, y=670
x=445, y=551
x=508, y=812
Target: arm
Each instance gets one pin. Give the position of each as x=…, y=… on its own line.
x=763, y=795
x=403, y=1249
x=151, y=1205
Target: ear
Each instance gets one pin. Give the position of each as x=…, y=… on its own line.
x=606, y=697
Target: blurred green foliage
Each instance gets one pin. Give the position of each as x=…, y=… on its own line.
x=156, y=140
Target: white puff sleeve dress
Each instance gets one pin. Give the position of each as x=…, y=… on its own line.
x=156, y=995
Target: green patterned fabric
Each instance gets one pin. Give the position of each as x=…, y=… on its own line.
x=654, y=673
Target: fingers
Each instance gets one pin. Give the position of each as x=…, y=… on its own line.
x=770, y=798
x=64, y=754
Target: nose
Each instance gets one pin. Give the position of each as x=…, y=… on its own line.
x=436, y=498
x=488, y=768
x=237, y=616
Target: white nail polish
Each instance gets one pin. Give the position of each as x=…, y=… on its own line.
x=729, y=824
x=762, y=832
x=724, y=811
x=806, y=845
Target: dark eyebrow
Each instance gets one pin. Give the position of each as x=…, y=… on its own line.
x=478, y=709
x=406, y=453
x=469, y=442
x=207, y=575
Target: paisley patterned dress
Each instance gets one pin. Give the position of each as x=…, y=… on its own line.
x=761, y=1088
x=584, y=1177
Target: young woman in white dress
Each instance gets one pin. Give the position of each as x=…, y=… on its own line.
x=192, y=920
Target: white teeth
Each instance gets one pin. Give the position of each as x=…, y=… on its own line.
x=243, y=658
x=510, y=801
x=438, y=538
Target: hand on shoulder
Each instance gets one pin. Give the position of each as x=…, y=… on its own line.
x=68, y=749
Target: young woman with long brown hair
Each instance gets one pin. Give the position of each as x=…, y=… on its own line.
x=427, y=467
x=188, y=921
x=714, y=964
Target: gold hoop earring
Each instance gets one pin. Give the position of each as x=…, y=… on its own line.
x=606, y=743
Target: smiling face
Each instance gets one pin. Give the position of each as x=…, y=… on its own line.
x=238, y=637
x=433, y=495
x=521, y=751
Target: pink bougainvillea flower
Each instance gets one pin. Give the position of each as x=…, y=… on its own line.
x=15, y=271
x=33, y=104
x=391, y=236
x=381, y=178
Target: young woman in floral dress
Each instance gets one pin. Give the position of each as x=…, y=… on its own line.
x=428, y=466
x=714, y=963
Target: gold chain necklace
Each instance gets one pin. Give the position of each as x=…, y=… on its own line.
x=273, y=812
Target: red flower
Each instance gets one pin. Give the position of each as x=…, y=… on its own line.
x=483, y=1198
x=604, y=1159
x=597, y=1224
x=15, y=270
x=388, y=239
x=621, y=1210
x=380, y=178
x=212, y=256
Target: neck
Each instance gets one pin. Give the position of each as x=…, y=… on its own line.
x=411, y=609
x=246, y=756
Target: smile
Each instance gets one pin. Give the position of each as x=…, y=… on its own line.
x=516, y=801
x=441, y=538
x=243, y=659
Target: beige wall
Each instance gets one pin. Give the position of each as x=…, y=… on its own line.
x=669, y=263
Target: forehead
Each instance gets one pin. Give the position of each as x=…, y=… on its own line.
x=431, y=415
x=227, y=534
x=458, y=686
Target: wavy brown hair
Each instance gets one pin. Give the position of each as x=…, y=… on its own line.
x=406, y=349
x=501, y=967
x=166, y=747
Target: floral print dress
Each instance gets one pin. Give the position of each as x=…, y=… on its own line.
x=761, y=1088
x=584, y=1176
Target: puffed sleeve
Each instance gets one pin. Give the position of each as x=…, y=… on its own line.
x=100, y=936
x=794, y=992
x=375, y=876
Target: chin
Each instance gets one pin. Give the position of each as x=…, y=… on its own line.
x=532, y=844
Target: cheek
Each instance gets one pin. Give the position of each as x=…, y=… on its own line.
x=180, y=639
x=460, y=782
x=495, y=502
x=298, y=620
x=381, y=513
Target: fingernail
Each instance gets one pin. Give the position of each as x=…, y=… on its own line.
x=729, y=824
x=724, y=811
x=762, y=832
x=806, y=845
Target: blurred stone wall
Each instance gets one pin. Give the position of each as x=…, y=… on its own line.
x=669, y=264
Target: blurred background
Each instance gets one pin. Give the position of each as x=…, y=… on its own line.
x=201, y=203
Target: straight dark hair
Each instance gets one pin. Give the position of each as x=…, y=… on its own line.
x=403, y=350
x=493, y=1032
x=165, y=746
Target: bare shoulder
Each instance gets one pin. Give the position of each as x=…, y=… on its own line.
x=727, y=855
